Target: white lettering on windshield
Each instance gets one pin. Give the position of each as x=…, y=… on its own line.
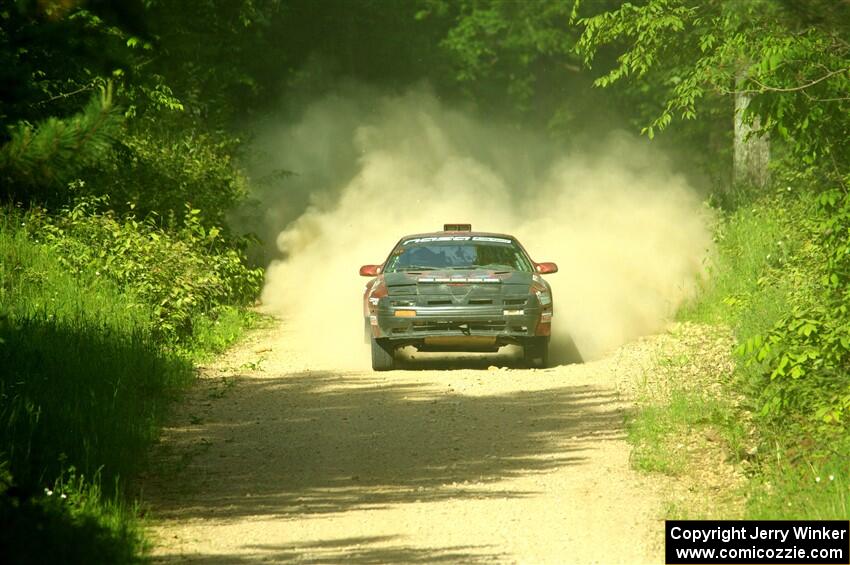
x=457, y=238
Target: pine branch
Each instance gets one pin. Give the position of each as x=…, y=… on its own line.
x=53, y=151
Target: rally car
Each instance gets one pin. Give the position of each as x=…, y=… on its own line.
x=457, y=290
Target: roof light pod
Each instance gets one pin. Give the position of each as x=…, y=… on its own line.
x=457, y=227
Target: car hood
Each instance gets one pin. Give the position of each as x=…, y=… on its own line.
x=449, y=281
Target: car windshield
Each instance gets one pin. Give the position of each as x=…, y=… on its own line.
x=426, y=254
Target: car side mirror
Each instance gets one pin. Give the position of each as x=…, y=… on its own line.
x=546, y=268
x=370, y=270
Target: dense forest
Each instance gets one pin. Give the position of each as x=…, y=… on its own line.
x=126, y=149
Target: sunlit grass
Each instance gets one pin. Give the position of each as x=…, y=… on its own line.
x=84, y=386
x=215, y=332
x=761, y=265
x=85, y=383
x=803, y=491
x=656, y=431
x=736, y=293
x=71, y=521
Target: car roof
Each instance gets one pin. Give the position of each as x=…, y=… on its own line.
x=464, y=233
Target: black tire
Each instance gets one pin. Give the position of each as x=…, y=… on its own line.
x=535, y=352
x=383, y=355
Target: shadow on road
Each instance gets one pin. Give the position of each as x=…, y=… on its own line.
x=361, y=550
x=319, y=442
x=562, y=351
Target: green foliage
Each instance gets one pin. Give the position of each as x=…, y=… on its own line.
x=805, y=356
x=655, y=429
x=795, y=64
x=780, y=280
x=89, y=372
x=219, y=328
x=772, y=281
x=84, y=386
x=37, y=162
x=511, y=44
x=84, y=379
x=802, y=491
x=748, y=287
x=782, y=277
x=521, y=60
x=518, y=59
x=113, y=282
x=70, y=522
x=181, y=271
x=170, y=151
x=54, y=55
x=207, y=82
x=158, y=168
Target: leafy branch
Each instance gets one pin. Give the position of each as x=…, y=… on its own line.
x=767, y=88
x=55, y=150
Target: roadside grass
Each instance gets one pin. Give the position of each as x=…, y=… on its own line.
x=737, y=293
x=85, y=383
x=762, y=264
x=71, y=522
x=662, y=435
x=805, y=490
x=215, y=332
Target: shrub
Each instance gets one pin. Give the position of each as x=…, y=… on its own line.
x=804, y=358
x=181, y=271
x=84, y=380
x=158, y=168
x=83, y=387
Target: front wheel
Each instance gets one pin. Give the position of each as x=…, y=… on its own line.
x=383, y=355
x=535, y=352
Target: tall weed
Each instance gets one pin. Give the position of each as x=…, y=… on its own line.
x=84, y=380
x=780, y=280
x=88, y=367
x=180, y=272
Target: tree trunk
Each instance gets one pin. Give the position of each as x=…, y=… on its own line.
x=752, y=149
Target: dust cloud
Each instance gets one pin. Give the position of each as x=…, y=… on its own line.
x=629, y=235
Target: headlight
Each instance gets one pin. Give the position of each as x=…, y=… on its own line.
x=544, y=295
x=377, y=291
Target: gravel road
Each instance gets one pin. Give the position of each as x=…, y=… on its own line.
x=274, y=457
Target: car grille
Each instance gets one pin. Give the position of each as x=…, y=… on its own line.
x=454, y=328
x=494, y=326
x=472, y=301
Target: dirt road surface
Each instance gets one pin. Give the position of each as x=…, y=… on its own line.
x=275, y=458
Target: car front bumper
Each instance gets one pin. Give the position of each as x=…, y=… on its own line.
x=435, y=326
